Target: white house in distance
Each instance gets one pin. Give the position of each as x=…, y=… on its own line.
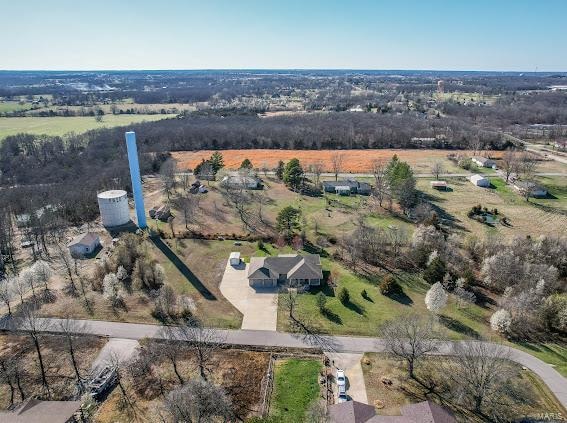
x=535, y=190
x=84, y=244
x=480, y=181
x=483, y=162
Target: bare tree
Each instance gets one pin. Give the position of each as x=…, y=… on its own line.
x=317, y=168
x=381, y=188
x=7, y=293
x=527, y=167
x=409, y=338
x=337, y=161
x=198, y=401
x=187, y=204
x=437, y=169
x=509, y=163
x=204, y=341
x=64, y=258
x=167, y=173
x=481, y=372
x=34, y=326
x=70, y=329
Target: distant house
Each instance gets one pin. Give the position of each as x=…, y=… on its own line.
x=357, y=412
x=347, y=187
x=440, y=185
x=560, y=145
x=480, y=181
x=241, y=180
x=536, y=190
x=483, y=161
x=84, y=244
x=290, y=269
x=37, y=411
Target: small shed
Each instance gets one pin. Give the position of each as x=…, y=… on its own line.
x=84, y=244
x=483, y=161
x=440, y=185
x=480, y=181
x=534, y=189
x=234, y=258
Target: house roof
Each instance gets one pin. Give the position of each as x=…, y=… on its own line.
x=87, y=239
x=36, y=411
x=528, y=185
x=481, y=159
x=351, y=412
x=351, y=183
x=357, y=412
x=476, y=178
x=293, y=265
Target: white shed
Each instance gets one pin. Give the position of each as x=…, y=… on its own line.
x=234, y=258
x=84, y=244
x=480, y=181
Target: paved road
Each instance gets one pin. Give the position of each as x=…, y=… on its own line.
x=342, y=344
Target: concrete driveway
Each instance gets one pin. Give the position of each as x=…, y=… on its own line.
x=258, y=307
x=350, y=363
x=116, y=351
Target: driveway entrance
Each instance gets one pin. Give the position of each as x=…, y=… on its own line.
x=258, y=306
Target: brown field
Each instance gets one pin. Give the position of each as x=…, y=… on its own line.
x=356, y=161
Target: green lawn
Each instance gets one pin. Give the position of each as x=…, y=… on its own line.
x=296, y=386
x=63, y=125
x=12, y=106
x=365, y=316
x=551, y=353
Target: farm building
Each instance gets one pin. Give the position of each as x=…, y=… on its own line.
x=483, y=162
x=440, y=185
x=480, y=181
x=84, y=244
x=535, y=190
x=347, y=187
x=289, y=269
x=241, y=180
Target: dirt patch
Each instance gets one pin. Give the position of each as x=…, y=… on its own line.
x=239, y=372
x=18, y=354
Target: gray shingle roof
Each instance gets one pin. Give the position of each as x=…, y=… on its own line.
x=294, y=266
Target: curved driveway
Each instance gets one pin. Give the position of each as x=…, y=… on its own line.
x=348, y=344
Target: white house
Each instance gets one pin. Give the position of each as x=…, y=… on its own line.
x=480, y=181
x=84, y=244
x=535, y=190
x=483, y=162
x=240, y=179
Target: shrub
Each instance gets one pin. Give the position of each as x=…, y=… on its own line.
x=435, y=271
x=261, y=244
x=389, y=286
x=321, y=300
x=344, y=296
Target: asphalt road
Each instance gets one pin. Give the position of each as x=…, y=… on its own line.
x=341, y=344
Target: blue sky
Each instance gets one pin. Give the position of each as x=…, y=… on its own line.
x=238, y=34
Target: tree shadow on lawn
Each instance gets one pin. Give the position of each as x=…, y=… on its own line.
x=356, y=308
x=182, y=267
x=458, y=327
x=332, y=316
x=401, y=298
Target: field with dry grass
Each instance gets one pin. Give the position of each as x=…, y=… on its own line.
x=355, y=161
x=60, y=374
x=527, y=397
x=239, y=372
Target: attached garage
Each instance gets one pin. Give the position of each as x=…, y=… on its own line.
x=263, y=283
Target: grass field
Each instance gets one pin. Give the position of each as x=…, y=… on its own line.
x=296, y=386
x=12, y=106
x=64, y=125
x=365, y=316
x=356, y=161
x=528, y=396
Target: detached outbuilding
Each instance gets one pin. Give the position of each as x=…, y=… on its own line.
x=480, y=181
x=534, y=189
x=235, y=258
x=440, y=185
x=84, y=244
x=483, y=161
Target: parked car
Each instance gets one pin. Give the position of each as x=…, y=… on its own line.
x=340, y=377
x=342, y=394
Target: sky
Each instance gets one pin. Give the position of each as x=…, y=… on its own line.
x=511, y=35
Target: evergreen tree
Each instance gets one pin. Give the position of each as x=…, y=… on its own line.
x=293, y=174
x=246, y=164
x=217, y=161
x=435, y=271
x=280, y=170
x=288, y=221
